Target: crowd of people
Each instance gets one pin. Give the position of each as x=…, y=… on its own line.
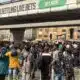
x=55, y=61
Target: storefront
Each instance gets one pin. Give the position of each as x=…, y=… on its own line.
x=64, y=33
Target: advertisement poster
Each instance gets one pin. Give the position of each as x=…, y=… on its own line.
x=51, y=3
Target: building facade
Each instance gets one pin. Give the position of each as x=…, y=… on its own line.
x=46, y=20
x=65, y=33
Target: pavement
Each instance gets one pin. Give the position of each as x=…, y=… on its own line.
x=38, y=74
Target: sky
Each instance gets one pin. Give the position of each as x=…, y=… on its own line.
x=4, y=1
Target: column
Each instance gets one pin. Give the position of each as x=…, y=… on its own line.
x=18, y=34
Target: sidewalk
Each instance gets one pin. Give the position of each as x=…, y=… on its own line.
x=77, y=73
x=38, y=74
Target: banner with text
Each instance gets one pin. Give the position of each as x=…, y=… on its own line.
x=51, y=3
x=18, y=8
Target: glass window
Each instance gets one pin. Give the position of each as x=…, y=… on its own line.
x=45, y=35
x=39, y=35
x=63, y=30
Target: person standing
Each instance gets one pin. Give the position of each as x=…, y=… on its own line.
x=13, y=63
x=3, y=63
x=55, y=57
x=68, y=60
x=58, y=66
x=25, y=63
x=44, y=64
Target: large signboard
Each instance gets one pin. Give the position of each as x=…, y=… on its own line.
x=51, y=3
x=18, y=8
x=34, y=6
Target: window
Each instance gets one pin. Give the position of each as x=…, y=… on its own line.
x=63, y=30
x=39, y=35
x=45, y=35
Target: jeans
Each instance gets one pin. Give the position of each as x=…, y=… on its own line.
x=13, y=74
x=58, y=76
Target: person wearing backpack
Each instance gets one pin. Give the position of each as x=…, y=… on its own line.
x=13, y=62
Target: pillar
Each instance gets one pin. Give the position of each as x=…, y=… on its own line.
x=18, y=34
